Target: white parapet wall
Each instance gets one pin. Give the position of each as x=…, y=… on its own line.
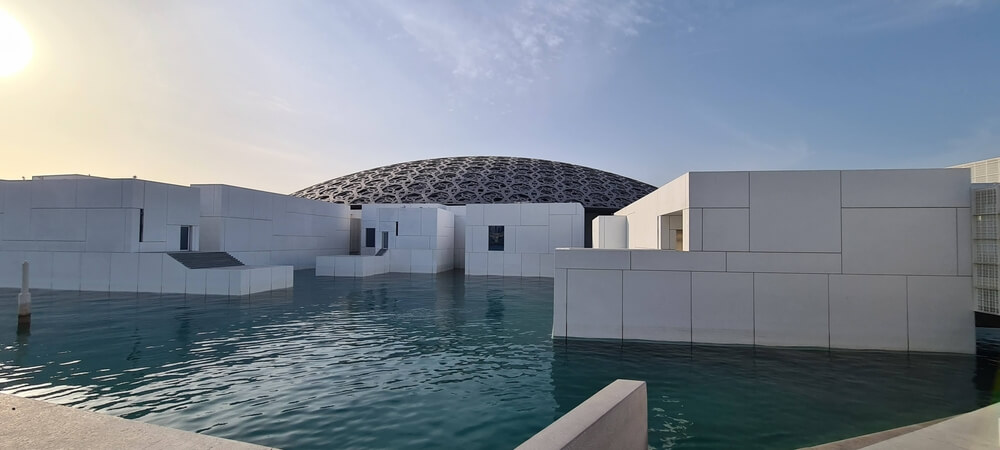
x=112, y=235
x=460, y=226
x=151, y=272
x=263, y=228
x=37, y=424
x=417, y=238
x=610, y=232
x=615, y=417
x=524, y=239
x=351, y=265
x=91, y=214
x=872, y=259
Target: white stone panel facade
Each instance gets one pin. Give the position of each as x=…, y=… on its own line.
x=934, y=322
x=594, y=303
x=418, y=238
x=901, y=241
x=263, y=228
x=610, y=232
x=725, y=229
x=153, y=272
x=795, y=211
x=868, y=311
x=791, y=309
x=842, y=259
x=89, y=214
x=656, y=306
x=531, y=233
x=722, y=307
x=98, y=234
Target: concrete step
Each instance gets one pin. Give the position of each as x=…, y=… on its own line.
x=205, y=260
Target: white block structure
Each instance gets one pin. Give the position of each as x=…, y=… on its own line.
x=263, y=228
x=986, y=247
x=90, y=214
x=460, y=226
x=864, y=259
x=985, y=171
x=610, y=232
x=519, y=239
x=417, y=238
x=98, y=234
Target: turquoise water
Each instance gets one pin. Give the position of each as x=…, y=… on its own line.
x=424, y=361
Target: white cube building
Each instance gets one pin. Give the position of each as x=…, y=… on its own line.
x=121, y=235
x=415, y=238
x=263, y=228
x=516, y=239
x=863, y=259
x=519, y=239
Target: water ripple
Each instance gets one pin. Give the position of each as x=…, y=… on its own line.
x=429, y=361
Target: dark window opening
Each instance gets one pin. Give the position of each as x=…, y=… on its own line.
x=397, y=228
x=496, y=238
x=185, y=238
x=142, y=220
x=370, y=237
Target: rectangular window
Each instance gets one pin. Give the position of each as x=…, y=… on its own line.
x=185, y=238
x=370, y=237
x=496, y=238
x=142, y=220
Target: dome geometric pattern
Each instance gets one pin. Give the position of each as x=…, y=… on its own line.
x=481, y=179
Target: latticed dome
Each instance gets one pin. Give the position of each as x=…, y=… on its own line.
x=481, y=179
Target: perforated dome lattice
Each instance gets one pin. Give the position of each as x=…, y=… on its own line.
x=481, y=179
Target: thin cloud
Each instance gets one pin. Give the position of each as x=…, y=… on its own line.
x=513, y=44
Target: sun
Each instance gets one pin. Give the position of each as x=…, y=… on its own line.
x=15, y=46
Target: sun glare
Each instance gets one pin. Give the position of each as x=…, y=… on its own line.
x=15, y=46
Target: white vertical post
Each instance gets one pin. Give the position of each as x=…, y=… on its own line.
x=24, y=298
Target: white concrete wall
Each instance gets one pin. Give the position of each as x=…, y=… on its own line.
x=615, y=417
x=459, y=212
x=90, y=214
x=643, y=215
x=421, y=236
x=151, y=272
x=531, y=233
x=83, y=233
x=845, y=259
x=351, y=265
x=610, y=232
x=985, y=171
x=263, y=228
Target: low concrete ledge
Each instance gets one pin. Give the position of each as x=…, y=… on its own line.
x=859, y=442
x=973, y=430
x=979, y=429
x=36, y=424
x=615, y=417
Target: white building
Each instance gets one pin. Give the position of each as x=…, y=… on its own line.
x=263, y=228
x=127, y=235
x=519, y=240
x=411, y=238
x=492, y=239
x=985, y=171
x=870, y=259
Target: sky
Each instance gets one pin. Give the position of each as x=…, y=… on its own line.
x=280, y=95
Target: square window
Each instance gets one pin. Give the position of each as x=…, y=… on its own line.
x=496, y=238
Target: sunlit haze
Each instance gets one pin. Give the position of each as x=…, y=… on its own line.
x=15, y=46
x=281, y=95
